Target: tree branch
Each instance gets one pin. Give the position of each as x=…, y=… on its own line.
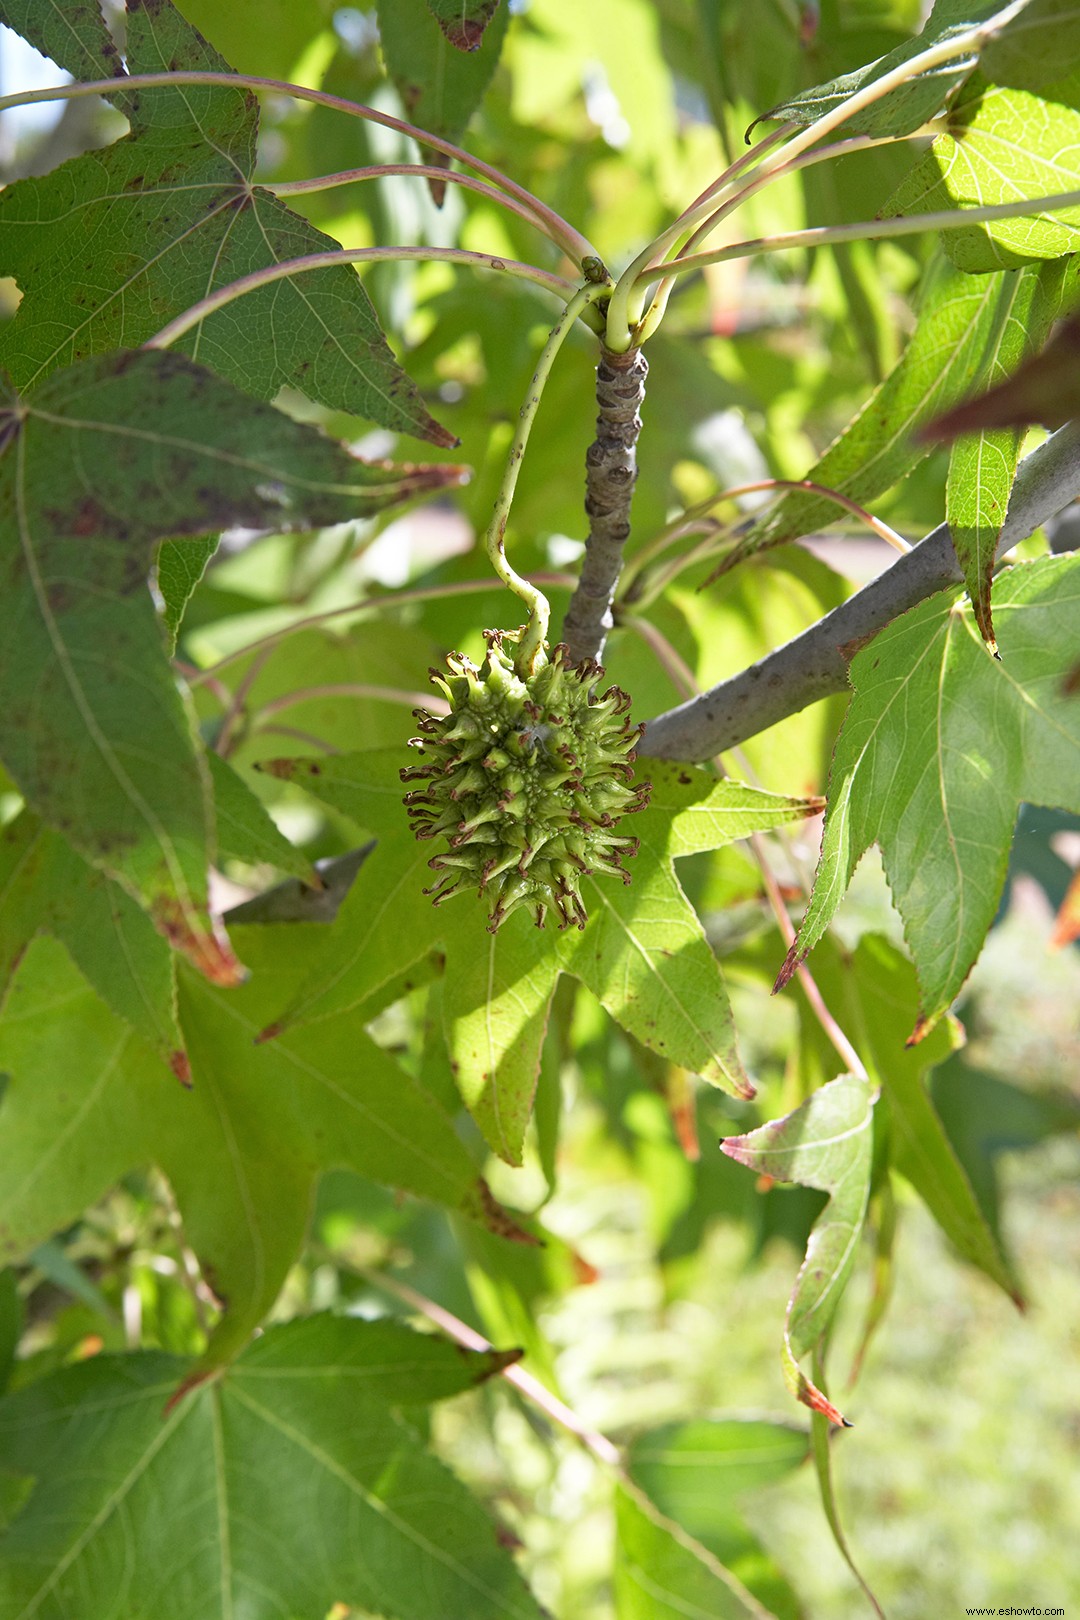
x=610, y=474
x=815, y=664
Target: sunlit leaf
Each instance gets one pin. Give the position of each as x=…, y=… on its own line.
x=180, y=566
x=1001, y=146
x=958, y=319
x=826, y=1143
x=643, y=952
x=1045, y=389
x=697, y=1472
x=982, y=467
x=110, y=246
x=96, y=465
x=662, y=1574
x=940, y=744
x=211, y=1502
x=87, y=1101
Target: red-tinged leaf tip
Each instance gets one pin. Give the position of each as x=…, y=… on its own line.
x=201, y=939
x=811, y=1396
x=585, y=1273
x=922, y=1029
x=270, y=1033
x=484, y=1207
x=180, y=1064
x=746, y=1089
x=790, y=963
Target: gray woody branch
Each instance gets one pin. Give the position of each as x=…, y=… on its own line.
x=815, y=664
x=610, y=474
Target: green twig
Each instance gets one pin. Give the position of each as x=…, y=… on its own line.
x=534, y=634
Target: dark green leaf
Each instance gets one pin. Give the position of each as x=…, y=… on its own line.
x=209, y=1508
x=440, y=87
x=940, y=744
x=909, y=105
x=45, y=886
x=167, y=215
x=463, y=21
x=97, y=464
x=1036, y=45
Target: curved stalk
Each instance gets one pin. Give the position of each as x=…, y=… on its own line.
x=209, y=677
x=534, y=634
x=641, y=594
x=573, y=244
x=618, y=321
x=945, y=219
x=628, y=300
x=422, y=171
x=857, y=143
x=214, y=301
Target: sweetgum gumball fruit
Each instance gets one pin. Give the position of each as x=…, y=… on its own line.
x=526, y=779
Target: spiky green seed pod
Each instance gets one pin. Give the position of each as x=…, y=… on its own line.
x=526, y=779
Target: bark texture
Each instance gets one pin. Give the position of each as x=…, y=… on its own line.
x=610, y=474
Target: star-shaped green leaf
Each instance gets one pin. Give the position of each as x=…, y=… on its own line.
x=643, y=953
x=97, y=464
x=87, y=1101
x=207, y=1509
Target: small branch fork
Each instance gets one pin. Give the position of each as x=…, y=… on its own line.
x=610, y=474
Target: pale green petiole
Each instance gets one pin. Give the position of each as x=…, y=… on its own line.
x=214, y=301
x=573, y=244
x=946, y=219
x=534, y=634
x=628, y=301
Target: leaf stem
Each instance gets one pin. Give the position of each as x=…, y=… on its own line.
x=576, y=246
x=628, y=300
x=618, y=337
x=423, y=171
x=373, y=604
x=285, y=268
x=948, y=219
x=806, y=160
x=603, y=1449
x=531, y=644
x=641, y=594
